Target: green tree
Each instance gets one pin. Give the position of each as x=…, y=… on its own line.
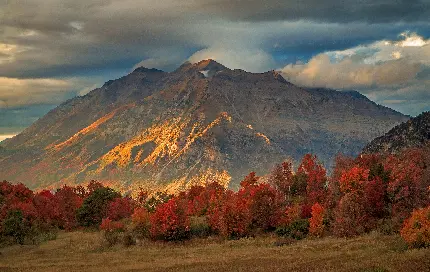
x=94, y=208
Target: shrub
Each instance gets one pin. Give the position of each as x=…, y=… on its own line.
x=111, y=238
x=416, y=230
x=112, y=226
x=43, y=236
x=111, y=231
x=128, y=239
x=16, y=226
x=141, y=222
x=386, y=226
x=170, y=221
x=350, y=216
x=284, y=241
x=296, y=230
x=95, y=207
x=199, y=226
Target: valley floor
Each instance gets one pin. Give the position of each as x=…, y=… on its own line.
x=83, y=251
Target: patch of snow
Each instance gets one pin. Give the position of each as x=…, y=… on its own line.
x=205, y=73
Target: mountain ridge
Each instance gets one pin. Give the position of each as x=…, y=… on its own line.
x=413, y=133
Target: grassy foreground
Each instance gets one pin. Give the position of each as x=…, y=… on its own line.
x=83, y=251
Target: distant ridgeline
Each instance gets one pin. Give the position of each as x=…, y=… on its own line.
x=413, y=133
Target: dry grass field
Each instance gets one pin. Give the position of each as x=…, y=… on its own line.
x=84, y=251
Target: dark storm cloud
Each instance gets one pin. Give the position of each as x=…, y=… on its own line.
x=59, y=38
x=82, y=43
x=333, y=11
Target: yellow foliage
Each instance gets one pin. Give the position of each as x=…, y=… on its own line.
x=166, y=137
x=210, y=175
x=264, y=137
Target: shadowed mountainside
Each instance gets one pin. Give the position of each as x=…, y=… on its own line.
x=413, y=133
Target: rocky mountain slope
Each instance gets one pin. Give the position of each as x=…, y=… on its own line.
x=413, y=133
x=201, y=121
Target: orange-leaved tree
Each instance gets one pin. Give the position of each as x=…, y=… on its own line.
x=416, y=229
x=316, y=222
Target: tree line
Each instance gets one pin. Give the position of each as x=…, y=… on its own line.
x=389, y=193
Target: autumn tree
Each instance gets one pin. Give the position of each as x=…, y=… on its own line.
x=408, y=186
x=350, y=216
x=416, y=230
x=47, y=207
x=250, y=179
x=169, y=221
x=234, y=218
x=92, y=186
x=315, y=178
x=263, y=203
x=69, y=201
x=282, y=179
x=362, y=202
x=120, y=208
x=156, y=199
x=316, y=223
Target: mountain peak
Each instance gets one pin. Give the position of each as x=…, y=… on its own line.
x=210, y=64
x=207, y=68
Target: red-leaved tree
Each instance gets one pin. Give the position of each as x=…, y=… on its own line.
x=120, y=208
x=69, y=202
x=315, y=178
x=170, y=221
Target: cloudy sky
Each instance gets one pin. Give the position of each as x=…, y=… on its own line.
x=52, y=50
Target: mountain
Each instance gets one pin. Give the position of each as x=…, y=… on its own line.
x=413, y=133
x=202, y=121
